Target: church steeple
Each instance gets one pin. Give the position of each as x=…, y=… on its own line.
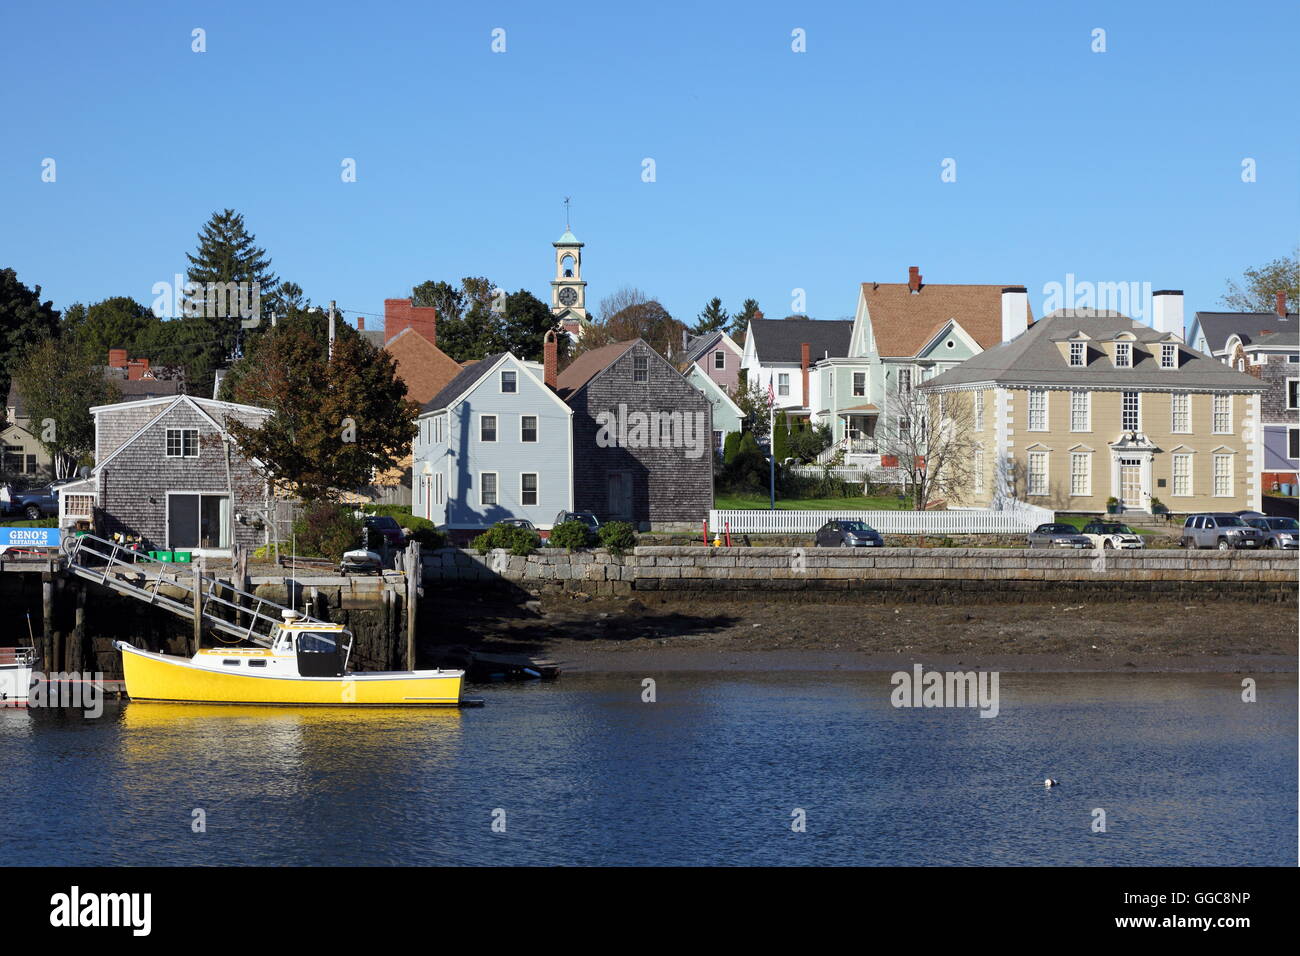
x=568, y=290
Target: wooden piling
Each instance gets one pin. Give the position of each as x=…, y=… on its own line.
x=47, y=620
x=198, y=605
x=414, y=571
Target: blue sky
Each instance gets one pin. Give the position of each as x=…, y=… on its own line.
x=775, y=170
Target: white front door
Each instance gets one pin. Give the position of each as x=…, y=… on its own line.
x=1130, y=483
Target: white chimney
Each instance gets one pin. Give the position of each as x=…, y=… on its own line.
x=1167, y=311
x=1015, y=311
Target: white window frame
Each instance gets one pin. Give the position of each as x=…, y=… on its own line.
x=1226, y=398
x=182, y=431
x=1137, y=410
x=1168, y=355
x=1292, y=388
x=859, y=391
x=1186, y=399
x=439, y=488
x=1045, y=458
x=1230, y=477
x=978, y=482
x=904, y=379
x=783, y=384
x=496, y=428
x=640, y=369
x=1123, y=354
x=1086, y=410
x=719, y=360
x=514, y=377
x=1078, y=354
x=1293, y=430
x=537, y=429
x=1041, y=425
x=979, y=412
x=1084, y=474
x=1190, y=461
x=482, y=489
x=537, y=488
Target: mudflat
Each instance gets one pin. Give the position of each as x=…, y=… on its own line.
x=614, y=635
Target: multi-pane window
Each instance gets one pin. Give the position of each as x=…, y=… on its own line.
x=1080, y=411
x=1038, y=472
x=979, y=469
x=1180, y=412
x=528, y=428
x=487, y=428
x=640, y=369
x=528, y=488
x=1182, y=475
x=1222, y=476
x=979, y=411
x=1038, y=409
x=859, y=384
x=1222, y=414
x=904, y=380
x=509, y=381
x=1123, y=354
x=1078, y=351
x=1168, y=355
x=719, y=359
x=182, y=443
x=1080, y=473
x=783, y=384
x=1130, y=414
x=487, y=489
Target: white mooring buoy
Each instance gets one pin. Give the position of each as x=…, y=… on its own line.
x=1049, y=782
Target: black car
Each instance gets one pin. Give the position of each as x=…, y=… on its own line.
x=848, y=534
x=586, y=517
x=386, y=528
x=1056, y=535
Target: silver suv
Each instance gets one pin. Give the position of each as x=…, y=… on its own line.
x=1278, y=532
x=1220, y=530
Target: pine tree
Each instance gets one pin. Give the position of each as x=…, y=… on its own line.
x=227, y=253
x=740, y=321
x=713, y=317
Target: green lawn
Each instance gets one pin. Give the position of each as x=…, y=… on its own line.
x=24, y=523
x=1079, y=521
x=726, y=502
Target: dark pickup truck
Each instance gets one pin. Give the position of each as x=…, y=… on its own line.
x=34, y=503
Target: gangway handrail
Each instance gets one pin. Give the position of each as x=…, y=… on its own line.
x=86, y=545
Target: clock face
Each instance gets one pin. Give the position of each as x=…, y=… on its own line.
x=568, y=296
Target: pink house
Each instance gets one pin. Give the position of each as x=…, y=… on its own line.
x=716, y=355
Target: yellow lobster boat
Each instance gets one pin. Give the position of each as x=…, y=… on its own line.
x=307, y=663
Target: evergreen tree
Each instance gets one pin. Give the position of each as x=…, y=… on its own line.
x=227, y=253
x=117, y=323
x=740, y=321
x=713, y=317
x=24, y=319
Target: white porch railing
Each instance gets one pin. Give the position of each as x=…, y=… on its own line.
x=968, y=521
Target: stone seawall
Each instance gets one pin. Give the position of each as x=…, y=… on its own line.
x=930, y=575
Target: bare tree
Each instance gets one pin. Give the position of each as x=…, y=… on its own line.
x=933, y=439
x=630, y=314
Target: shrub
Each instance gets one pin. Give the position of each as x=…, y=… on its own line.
x=617, y=536
x=429, y=538
x=570, y=535
x=326, y=530
x=748, y=468
x=514, y=539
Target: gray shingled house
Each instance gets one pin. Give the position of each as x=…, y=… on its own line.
x=642, y=436
x=167, y=470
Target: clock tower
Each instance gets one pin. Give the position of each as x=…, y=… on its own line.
x=568, y=291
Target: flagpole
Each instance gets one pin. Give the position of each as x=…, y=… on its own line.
x=771, y=447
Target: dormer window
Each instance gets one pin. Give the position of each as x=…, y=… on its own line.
x=1123, y=354
x=1078, y=351
x=1168, y=355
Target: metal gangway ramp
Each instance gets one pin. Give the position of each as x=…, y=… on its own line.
x=139, y=576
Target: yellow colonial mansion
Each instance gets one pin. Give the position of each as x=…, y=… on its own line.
x=1087, y=405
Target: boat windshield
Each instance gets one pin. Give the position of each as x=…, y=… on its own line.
x=315, y=642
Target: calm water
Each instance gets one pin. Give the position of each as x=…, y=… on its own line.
x=587, y=773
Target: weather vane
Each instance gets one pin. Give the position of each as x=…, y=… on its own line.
x=566, y=213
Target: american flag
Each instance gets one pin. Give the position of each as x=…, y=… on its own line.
x=771, y=395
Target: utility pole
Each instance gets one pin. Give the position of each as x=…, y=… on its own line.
x=331, y=348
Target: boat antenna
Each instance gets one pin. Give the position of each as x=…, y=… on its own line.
x=30, y=636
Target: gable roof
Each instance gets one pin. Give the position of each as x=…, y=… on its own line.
x=697, y=345
x=204, y=406
x=902, y=322
x=1275, y=340
x=1217, y=326
x=781, y=340
x=700, y=379
x=588, y=365
x=464, y=380
x=425, y=368
x=1034, y=358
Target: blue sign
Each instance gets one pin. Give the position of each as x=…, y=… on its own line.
x=29, y=538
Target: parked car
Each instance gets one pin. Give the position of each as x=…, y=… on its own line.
x=1057, y=536
x=387, y=528
x=34, y=503
x=1220, y=530
x=848, y=534
x=586, y=517
x=1112, y=534
x=1278, y=532
x=519, y=523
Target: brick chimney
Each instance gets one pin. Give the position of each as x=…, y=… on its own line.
x=551, y=360
x=914, y=278
x=117, y=358
x=361, y=323
x=400, y=315
x=1280, y=304
x=803, y=367
x=136, y=368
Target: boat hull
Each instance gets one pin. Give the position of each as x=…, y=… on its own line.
x=15, y=684
x=162, y=677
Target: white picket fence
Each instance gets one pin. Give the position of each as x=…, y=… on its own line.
x=1019, y=520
